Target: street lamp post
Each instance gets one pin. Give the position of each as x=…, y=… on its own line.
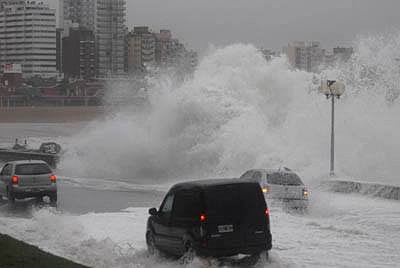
x=332, y=166
x=332, y=89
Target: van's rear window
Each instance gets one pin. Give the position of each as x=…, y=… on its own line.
x=234, y=202
x=32, y=169
x=187, y=205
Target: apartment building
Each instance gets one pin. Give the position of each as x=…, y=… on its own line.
x=79, y=54
x=163, y=44
x=28, y=37
x=141, y=49
x=80, y=13
x=106, y=18
x=307, y=56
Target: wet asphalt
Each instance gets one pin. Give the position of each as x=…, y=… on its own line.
x=79, y=200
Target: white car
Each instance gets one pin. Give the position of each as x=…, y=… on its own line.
x=280, y=184
x=26, y=179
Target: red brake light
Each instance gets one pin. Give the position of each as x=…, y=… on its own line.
x=53, y=178
x=14, y=179
x=203, y=218
x=267, y=215
x=267, y=212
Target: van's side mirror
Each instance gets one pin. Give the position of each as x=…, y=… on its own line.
x=153, y=212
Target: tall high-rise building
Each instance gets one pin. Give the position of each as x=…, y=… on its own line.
x=141, y=49
x=110, y=33
x=163, y=44
x=307, y=56
x=106, y=18
x=59, y=50
x=78, y=12
x=79, y=50
x=28, y=37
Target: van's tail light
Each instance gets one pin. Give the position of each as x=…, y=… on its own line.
x=53, y=178
x=305, y=193
x=14, y=179
x=265, y=189
x=203, y=218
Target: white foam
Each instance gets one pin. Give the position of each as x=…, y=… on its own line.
x=239, y=111
x=339, y=231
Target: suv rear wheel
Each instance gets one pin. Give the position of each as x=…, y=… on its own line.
x=53, y=199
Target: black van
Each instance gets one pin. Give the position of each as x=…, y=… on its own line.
x=216, y=218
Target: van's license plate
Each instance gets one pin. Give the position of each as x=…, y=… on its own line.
x=225, y=228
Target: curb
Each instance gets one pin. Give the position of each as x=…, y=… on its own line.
x=365, y=188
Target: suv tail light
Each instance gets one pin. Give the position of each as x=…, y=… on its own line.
x=53, y=178
x=14, y=179
x=305, y=193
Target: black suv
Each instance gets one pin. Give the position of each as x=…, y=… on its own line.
x=216, y=218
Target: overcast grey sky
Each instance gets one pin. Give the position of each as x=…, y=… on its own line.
x=266, y=23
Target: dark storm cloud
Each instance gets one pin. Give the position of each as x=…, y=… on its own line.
x=267, y=23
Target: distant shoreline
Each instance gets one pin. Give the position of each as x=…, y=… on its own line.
x=51, y=114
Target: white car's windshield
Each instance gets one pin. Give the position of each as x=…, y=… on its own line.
x=284, y=179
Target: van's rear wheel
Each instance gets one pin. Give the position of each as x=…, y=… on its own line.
x=189, y=254
x=251, y=260
x=261, y=257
